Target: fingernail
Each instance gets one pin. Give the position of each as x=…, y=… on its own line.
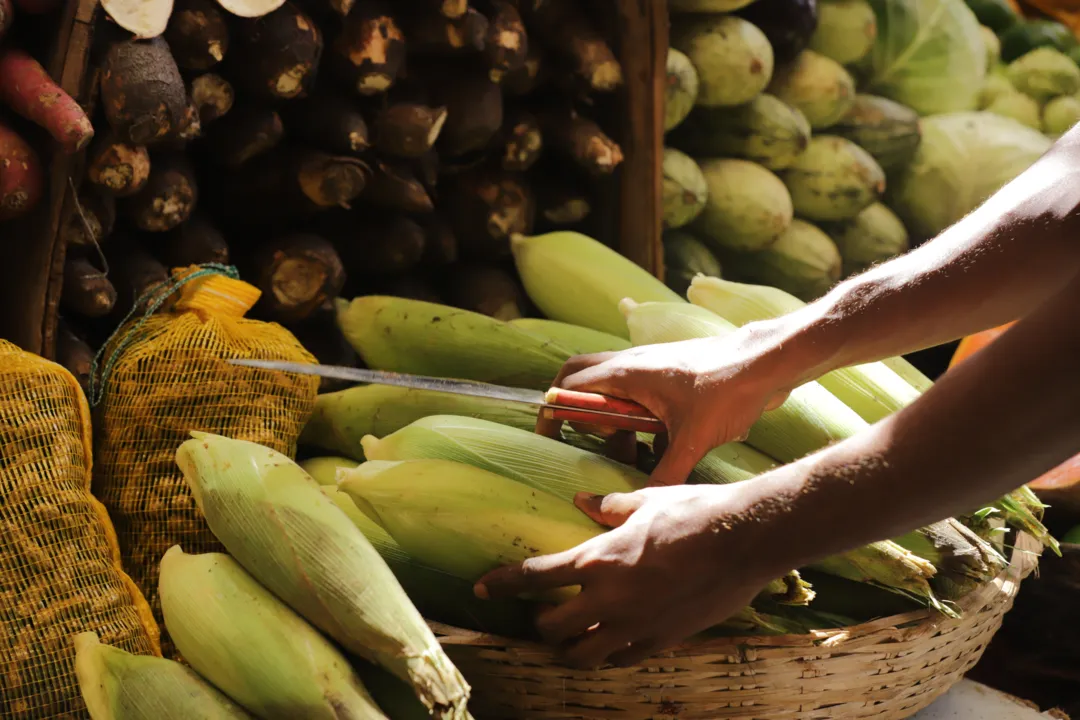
x=480, y=590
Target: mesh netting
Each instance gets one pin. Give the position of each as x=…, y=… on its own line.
x=59, y=564
x=167, y=375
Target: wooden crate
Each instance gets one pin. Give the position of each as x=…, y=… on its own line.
x=631, y=219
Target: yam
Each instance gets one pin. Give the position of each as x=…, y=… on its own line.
x=276, y=56
x=431, y=34
x=196, y=241
x=142, y=92
x=582, y=140
x=328, y=121
x=197, y=34
x=297, y=274
x=377, y=243
x=22, y=180
x=117, y=166
x=86, y=291
x=408, y=129
x=523, y=142
x=213, y=96
x=485, y=289
x=566, y=31
x=168, y=198
x=245, y=133
x=475, y=113
x=394, y=186
x=91, y=220
x=369, y=52
x=74, y=354
x=485, y=208
x=507, y=45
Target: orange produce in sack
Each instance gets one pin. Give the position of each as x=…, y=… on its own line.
x=166, y=374
x=59, y=564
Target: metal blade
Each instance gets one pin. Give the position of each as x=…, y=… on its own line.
x=419, y=382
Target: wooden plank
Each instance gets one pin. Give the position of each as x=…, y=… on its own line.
x=643, y=54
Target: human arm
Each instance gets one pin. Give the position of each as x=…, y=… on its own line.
x=995, y=265
x=682, y=559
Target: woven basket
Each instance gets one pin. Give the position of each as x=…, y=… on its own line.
x=888, y=669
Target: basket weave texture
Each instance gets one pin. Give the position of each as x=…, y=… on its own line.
x=887, y=669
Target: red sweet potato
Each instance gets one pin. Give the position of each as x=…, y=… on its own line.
x=26, y=88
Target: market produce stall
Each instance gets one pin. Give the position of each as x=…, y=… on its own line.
x=470, y=190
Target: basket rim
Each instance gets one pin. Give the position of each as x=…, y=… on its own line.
x=895, y=628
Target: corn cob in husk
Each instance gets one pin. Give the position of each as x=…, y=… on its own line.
x=592, y=279
x=277, y=523
x=578, y=340
x=117, y=685
x=413, y=336
x=250, y=645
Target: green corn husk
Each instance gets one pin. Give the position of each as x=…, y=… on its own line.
x=578, y=340
x=342, y=419
x=889, y=566
x=751, y=622
x=422, y=338
x=575, y=279
x=250, y=645
x=116, y=685
x=733, y=462
x=526, y=457
x=963, y=560
x=276, y=522
x=323, y=470
x=809, y=420
x=872, y=390
x=439, y=596
x=464, y=520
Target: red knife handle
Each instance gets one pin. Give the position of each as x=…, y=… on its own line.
x=596, y=403
x=603, y=419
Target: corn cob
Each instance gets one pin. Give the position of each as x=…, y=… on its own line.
x=413, y=336
x=869, y=389
x=250, y=645
x=810, y=419
x=526, y=457
x=963, y=560
x=464, y=520
x=323, y=470
x=578, y=340
x=342, y=419
x=467, y=521
x=575, y=279
x=733, y=462
x=872, y=390
x=857, y=600
x=788, y=590
x=438, y=595
x=274, y=520
x=117, y=685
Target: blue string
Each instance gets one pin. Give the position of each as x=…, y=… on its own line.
x=96, y=388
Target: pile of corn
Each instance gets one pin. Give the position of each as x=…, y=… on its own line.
x=459, y=485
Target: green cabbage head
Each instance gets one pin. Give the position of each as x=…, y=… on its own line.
x=929, y=55
x=963, y=159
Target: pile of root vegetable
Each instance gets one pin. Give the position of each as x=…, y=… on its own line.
x=332, y=147
x=29, y=98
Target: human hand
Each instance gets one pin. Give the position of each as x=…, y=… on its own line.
x=707, y=392
x=678, y=561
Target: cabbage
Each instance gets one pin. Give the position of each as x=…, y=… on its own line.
x=929, y=55
x=963, y=159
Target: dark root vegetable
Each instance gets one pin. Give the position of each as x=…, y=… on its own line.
x=276, y=57
x=245, y=133
x=141, y=89
x=197, y=34
x=22, y=180
x=369, y=52
x=168, y=197
x=91, y=219
x=86, y=291
x=213, y=96
x=297, y=274
x=116, y=166
x=328, y=121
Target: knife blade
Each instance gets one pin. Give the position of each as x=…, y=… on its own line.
x=555, y=404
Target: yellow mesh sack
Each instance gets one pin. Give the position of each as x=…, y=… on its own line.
x=59, y=562
x=165, y=375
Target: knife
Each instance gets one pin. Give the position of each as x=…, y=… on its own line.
x=556, y=404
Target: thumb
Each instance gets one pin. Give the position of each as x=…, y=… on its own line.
x=678, y=461
x=609, y=510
